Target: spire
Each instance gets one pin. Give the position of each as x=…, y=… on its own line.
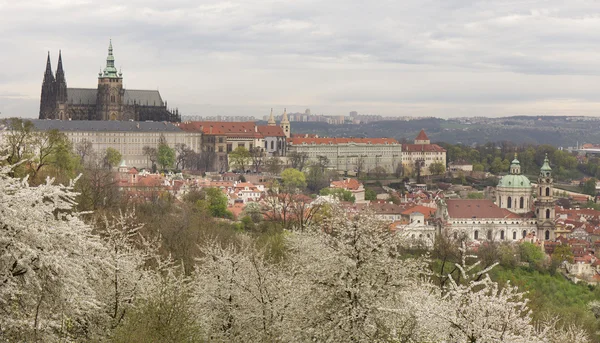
x=515, y=166
x=271, y=121
x=546, y=165
x=284, y=118
x=48, y=76
x=110, y=71
x=61, y=81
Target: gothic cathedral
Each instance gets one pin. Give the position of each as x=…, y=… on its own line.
x=109, y=101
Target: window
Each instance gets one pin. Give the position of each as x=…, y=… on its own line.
x=489, y=235
x=524, y=233
x=509, y=202
x=455, y=235
x=515, y=235
x=547, y=236
x=547, y=191
x=476, y=234
x=502, y=235
x=540, y=191
x=220, y=149
x=240, y=145
x=112, y=98
x=522, y=202
x=220, y=139
x=229, y=147
x=272, y=145
x=547, y=213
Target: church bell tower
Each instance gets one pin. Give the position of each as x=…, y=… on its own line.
x=285, y=124
x=109, y=101
x=544, y=204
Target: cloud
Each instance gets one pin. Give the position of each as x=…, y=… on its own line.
x=452, y=57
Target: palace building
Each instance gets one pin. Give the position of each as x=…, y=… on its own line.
x=109, y=101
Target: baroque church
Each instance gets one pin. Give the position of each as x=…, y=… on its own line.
x=520, y=211
x=110, y=101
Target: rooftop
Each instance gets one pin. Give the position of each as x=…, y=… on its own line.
x=106, y=126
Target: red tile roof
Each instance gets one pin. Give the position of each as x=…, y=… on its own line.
x=468, y=208
x=422, y=147
x=350, y=184
x=422, y=136
x=426, y=211
x=341, y=140
x=271, y=131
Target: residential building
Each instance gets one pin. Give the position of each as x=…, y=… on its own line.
x=353, y=186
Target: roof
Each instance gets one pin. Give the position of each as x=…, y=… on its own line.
x=101, y=125
x=422, y=147
x=514, y=181
x=87, y=96
x=270, y=131
x=422, y=136
x=143, y=97
x=230, y=129
x=476, y=208
x=340, y=140
x=426, y=211
x=350, y=184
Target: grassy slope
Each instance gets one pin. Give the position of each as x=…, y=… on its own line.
x=553, y=294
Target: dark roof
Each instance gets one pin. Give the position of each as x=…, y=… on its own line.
x=99, y=125
x=87, y=96
x=84, y=96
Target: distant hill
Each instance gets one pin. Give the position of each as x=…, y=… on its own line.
x=558, y=131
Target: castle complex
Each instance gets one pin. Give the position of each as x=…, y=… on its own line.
x=110, y=101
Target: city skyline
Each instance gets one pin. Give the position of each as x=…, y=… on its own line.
x=449, y=59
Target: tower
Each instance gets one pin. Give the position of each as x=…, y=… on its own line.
x=61, y=90
x=544, y=204
x=109, y=101
x=285, y=124
x=48, y=97
x=271, y=121
x=422, y=138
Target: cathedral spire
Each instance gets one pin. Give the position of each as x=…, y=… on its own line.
x=61, y=82
x=110, y=71
x=284, y=118
x=48, y=76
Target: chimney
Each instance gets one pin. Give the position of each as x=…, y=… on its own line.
x=210, y=130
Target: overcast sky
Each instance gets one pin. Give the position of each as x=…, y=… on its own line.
x=409, y=57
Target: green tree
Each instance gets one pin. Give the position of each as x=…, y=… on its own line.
x=216, y=202
x=293, y=179
x=112, y=157
x=273, y=165
x=165, y=155
x=240, y=157
x=316, y=179
x=562, y=253
x=475, y=195
x=338, y=193
x=370, y=194
x=589, y=187
x=437, y=168
x=532, y=254
x=478, y=167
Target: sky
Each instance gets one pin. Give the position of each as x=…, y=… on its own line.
x=447, y=58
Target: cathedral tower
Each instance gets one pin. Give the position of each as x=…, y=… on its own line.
x=285, y=124
x=61, y=90
x=544, y=204
x=48, y=98
x=109, y=101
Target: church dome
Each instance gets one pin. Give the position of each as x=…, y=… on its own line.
x=515, y=179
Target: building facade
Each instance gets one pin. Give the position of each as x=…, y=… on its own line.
x=350, y=154
x=109, y=101
x=127, y=137
x=421, y=154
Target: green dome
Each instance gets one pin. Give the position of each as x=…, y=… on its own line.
x=514, y=181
